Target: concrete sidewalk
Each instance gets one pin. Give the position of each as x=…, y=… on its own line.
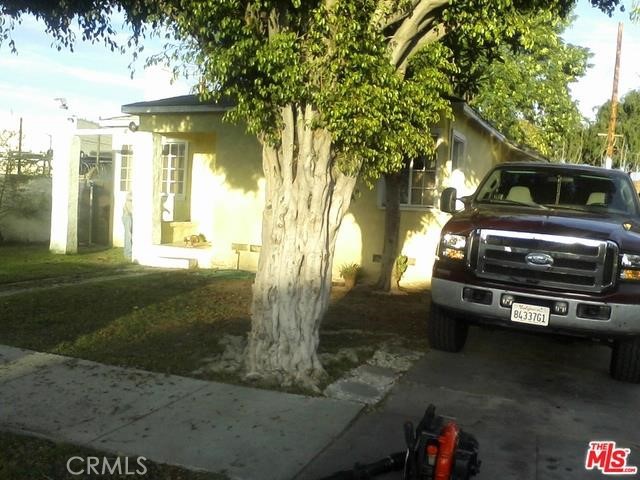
x=247, y=433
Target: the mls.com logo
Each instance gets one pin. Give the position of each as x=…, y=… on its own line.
x=610, y=460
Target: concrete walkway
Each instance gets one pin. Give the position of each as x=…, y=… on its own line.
x=245, y=432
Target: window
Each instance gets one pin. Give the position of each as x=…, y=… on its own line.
x=457, y=152
x=126, y=159
x=418, y=187
x=418, y=184
x=174, y=162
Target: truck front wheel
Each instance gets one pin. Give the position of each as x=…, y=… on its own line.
x=625, y=360
x=444, y=331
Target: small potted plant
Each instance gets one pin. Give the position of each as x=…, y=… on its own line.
x=349, y=272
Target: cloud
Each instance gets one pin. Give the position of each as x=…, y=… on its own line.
x=596, y=31
x=32, y=63
x=157, y=82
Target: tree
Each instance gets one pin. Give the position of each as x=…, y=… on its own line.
x=333, y=90
x=525, y=93
x=521, y=86
x=627, y=146
x=7, y=138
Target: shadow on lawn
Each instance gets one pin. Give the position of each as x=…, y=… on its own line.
x=172, y=322
x=146, y=318
x=402, y=314
x=24, y=263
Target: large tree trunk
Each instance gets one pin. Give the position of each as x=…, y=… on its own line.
x=306, y=199
x=391, y=239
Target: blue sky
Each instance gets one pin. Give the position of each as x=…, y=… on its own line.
x=598, y=32
x=96, y=82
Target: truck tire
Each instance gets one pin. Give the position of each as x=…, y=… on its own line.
x=444, y=331
x=625, y=360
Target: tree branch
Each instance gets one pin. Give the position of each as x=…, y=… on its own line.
x=413, y=26
x=431, y=36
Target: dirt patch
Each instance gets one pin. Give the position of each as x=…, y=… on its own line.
x=362, y=326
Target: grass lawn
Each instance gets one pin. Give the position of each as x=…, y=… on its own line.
x=163, y=322
x=23, y=458
x=21, y=263
x=170, y=322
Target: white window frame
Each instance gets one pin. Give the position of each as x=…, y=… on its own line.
x=126, y=156
x=435, y=134
x=167, y=182
x=381, y=188
x=456, y=136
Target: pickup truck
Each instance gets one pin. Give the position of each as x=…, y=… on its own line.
x=546, y=247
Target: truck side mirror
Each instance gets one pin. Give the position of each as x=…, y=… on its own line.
x=448, y=200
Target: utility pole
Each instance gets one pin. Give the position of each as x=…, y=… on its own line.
x=611, y=131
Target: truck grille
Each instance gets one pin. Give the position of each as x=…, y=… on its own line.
x=552, y=261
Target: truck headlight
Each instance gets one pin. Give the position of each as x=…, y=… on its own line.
x=453, y=246
x=630, y=267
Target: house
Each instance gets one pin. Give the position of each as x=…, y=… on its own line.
x=197, y=189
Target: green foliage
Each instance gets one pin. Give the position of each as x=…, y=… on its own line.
x=333, y=56
x=402, y=262
x=627, y=148
x=349, y=270
x=525, y=92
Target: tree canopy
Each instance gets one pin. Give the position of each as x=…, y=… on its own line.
x=525, y=91
x=374, y=69
x=627, y=145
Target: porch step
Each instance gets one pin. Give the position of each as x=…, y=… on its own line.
x=169, y=262
x=176, y=256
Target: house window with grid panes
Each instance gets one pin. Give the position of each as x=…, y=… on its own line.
x=126, y=164
x=174, y=164
x=418, y=187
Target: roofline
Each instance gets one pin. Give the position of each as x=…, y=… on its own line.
x=471, y=113
x=138, y=109
x=141, y=108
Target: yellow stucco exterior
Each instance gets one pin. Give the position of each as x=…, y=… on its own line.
x=224, y=193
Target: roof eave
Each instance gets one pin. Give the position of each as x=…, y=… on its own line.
x=146, y=109
x=471, y=113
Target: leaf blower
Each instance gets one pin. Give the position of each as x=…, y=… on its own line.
x=436, y=450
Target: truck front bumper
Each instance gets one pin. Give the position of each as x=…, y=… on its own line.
x=484, y=306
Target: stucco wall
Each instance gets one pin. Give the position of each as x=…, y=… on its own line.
x=419, y=227
x=25, y=216
x=227, y=193
x=227, y=189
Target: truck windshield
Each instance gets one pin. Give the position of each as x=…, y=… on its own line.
x=556, y=189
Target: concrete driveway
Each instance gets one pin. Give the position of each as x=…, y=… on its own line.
x=533, y=402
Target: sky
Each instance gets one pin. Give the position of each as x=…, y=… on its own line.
x=596, y=31
x=96, y=82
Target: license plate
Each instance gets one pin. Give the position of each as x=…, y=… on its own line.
x=531, y=314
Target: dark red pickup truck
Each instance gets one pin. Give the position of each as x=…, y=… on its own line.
x=548, y=247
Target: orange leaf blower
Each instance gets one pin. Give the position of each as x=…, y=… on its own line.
x=436, y=450
x=439, y=450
